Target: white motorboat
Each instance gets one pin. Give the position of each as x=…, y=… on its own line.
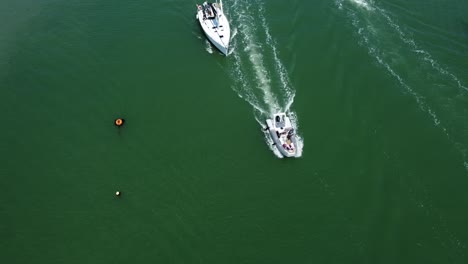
x=215, y=24
x=283, y=134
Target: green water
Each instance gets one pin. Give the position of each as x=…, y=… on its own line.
x=378, y=89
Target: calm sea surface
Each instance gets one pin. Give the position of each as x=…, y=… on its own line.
x=378, y=90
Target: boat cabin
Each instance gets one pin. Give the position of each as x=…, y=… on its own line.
x=209, y=11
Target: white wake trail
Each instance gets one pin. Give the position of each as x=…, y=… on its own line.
x=288, y=92
x=426, y=57
x=367, y=30
x=251, y=45
x=208, y=47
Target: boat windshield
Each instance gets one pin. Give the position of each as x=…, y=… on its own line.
x=279, y=121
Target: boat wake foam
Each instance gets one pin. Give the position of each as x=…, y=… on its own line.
x=208, y=47
x=384, y=38
x=364, y=3
x=259, y=75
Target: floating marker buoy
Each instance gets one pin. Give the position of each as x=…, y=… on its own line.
x=117, y=193
x=119, y=122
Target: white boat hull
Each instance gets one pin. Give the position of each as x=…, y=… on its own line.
x=282, y=134
x=216, y=28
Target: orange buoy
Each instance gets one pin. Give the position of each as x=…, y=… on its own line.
x=119, y=122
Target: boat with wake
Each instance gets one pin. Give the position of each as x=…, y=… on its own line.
x=283, y=134
x=215, y=25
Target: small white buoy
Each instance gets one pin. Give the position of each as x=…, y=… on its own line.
x=117, y=193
